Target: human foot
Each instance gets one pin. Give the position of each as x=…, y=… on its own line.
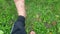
x=32, y=32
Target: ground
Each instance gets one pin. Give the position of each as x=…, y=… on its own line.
x=43, y=16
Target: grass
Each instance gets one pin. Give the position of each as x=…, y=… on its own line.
x=43, y=16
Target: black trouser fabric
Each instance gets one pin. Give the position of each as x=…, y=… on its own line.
x=19, y=26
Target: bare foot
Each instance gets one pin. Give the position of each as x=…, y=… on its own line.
x=32, y=32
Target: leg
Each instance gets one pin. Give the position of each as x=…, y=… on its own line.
x=20, y=5
x=19, y=25
x=21, y=9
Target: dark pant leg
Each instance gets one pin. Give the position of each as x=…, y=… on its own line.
x=19, y=26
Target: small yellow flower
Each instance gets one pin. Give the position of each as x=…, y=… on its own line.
x=50, y=32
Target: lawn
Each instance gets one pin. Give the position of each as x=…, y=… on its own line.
x=43, y=16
